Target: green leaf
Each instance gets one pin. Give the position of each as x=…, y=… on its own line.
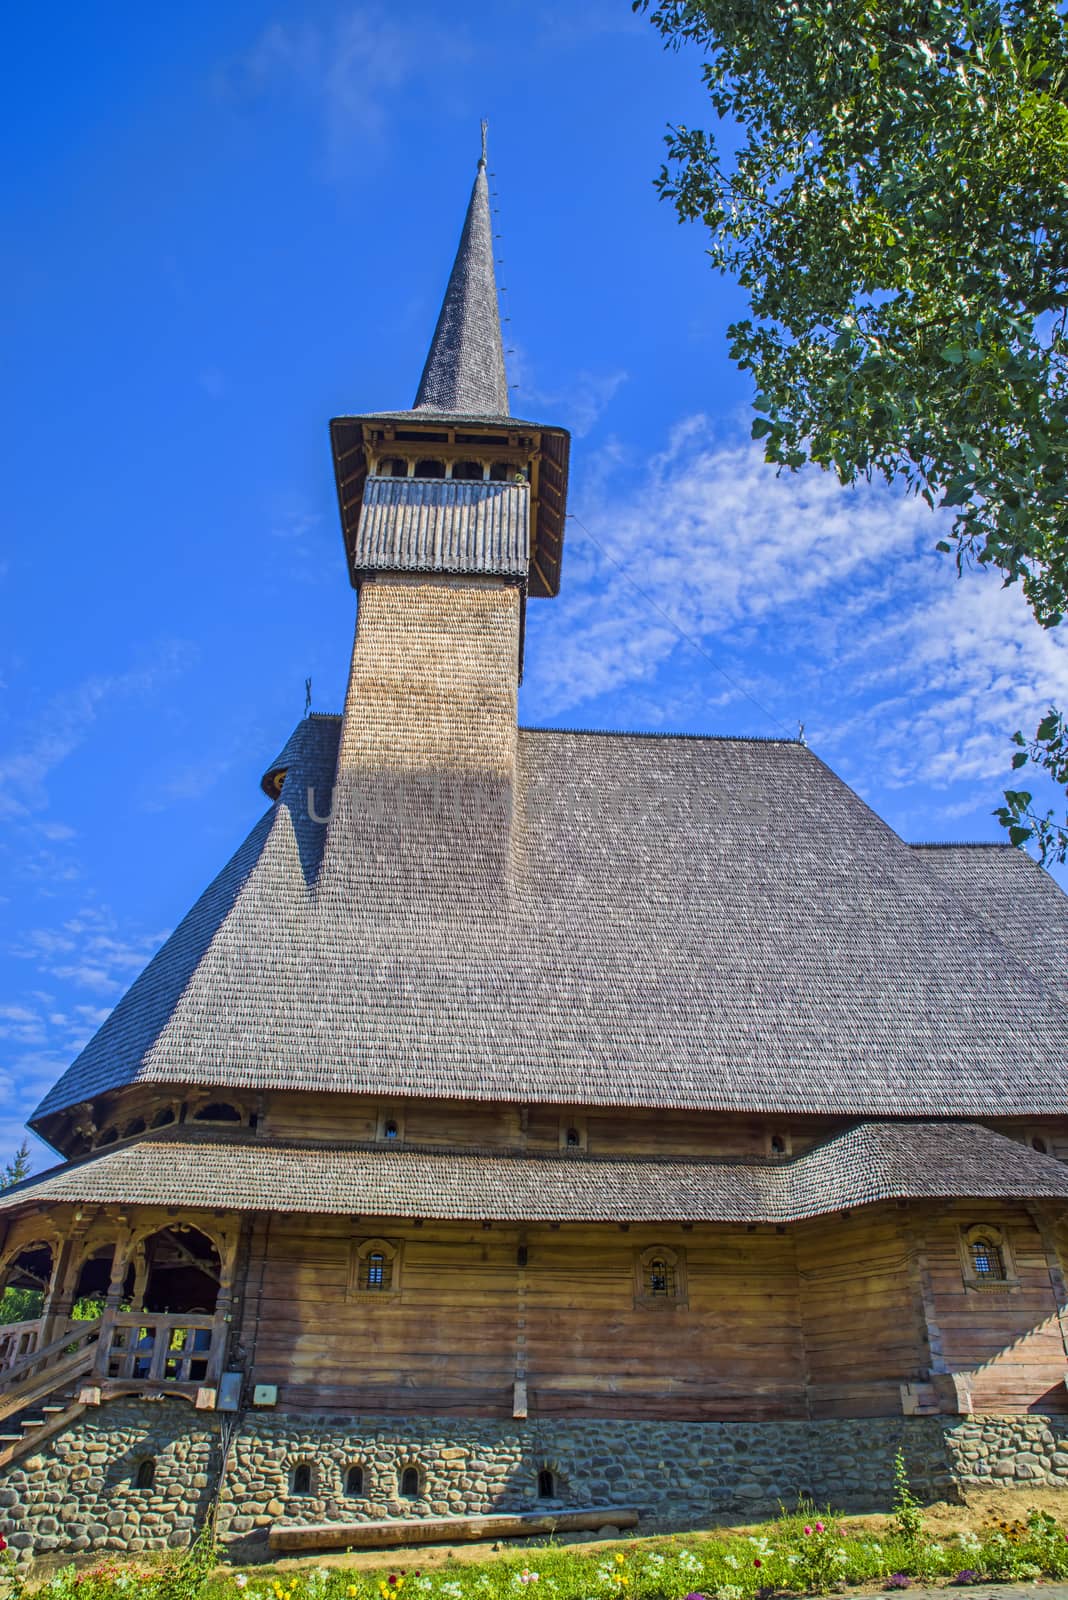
x=1020, y=759
x=952, y=353
x=1018, y=834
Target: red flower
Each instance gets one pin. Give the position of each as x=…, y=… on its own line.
x=3, y=1541
x=757, y=1562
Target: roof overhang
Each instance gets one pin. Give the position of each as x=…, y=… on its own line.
x=356, y=440
x=870, y=1163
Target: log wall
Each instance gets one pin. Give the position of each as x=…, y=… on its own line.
x=825, y=1320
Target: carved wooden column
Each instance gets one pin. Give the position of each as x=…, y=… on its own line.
x=113, y=1300
x=228, y=1239
x=59, y=1300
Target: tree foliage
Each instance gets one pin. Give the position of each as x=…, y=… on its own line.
x=17, y=1168
x=891, y=189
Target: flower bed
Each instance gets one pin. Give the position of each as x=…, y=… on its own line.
x=796, y=1554
x=803, y=1553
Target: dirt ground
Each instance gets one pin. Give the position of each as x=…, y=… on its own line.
x=980, y=1507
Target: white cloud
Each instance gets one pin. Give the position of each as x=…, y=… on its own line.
x=64, y=724
x=578, y=401
x=348, y=71
x=87, y=951
x=823, y=604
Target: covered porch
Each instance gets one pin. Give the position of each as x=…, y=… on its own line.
x=114, y=1305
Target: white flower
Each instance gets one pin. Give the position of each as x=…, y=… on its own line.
x=730, y=1561
x=241, y=1579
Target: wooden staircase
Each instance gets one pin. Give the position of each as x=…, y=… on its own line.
x=38, y=1392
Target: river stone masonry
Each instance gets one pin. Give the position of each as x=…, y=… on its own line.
x=80, y=1492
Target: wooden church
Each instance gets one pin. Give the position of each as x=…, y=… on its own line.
x=514, y=1093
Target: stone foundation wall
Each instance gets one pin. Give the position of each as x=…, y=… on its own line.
x=1008, y=1452
x=80, y=1491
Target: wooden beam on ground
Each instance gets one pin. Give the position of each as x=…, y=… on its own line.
x=446, y=1530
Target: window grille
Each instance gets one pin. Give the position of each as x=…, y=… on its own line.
x=986, y=1260
x=659, y=1277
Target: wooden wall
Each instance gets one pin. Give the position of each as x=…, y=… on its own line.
x=607, y=1132
x=468, y=1320
x=825, y=1319
x=862, y=1322
x=1009, y=1341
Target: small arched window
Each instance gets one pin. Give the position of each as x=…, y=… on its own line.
x=145, y=1476
x=218, y=1111
x=1040, y=1145
x=660, y=1277
x=410, y=1486
x=375, y=1268
x=393, y=467
x=163, y=1118
x=354, y=1481
x=108, y=1136
x=430, y=469
x=778, y=1145
x=131, y=1128
x=390, y=1125
x=987, y=1261
x=301, y=1478
x=573, y=1139
x=546, y=1484
x=467, y=471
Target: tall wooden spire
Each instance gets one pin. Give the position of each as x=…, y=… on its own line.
x=464, y=372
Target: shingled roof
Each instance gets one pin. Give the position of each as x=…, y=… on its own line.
x=686, y=922
x=874, y=1161
x=1014, y=897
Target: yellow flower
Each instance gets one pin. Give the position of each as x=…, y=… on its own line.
x=620, y=1559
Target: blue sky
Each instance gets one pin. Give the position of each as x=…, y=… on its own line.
x=227, y=224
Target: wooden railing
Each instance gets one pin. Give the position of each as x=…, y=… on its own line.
x=163, y=1349
x=35, y=1374
x=17, y=1339
x=74, y=1338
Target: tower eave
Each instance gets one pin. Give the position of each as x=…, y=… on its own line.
x=355, y=439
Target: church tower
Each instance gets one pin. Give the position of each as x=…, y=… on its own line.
x=452, y=512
